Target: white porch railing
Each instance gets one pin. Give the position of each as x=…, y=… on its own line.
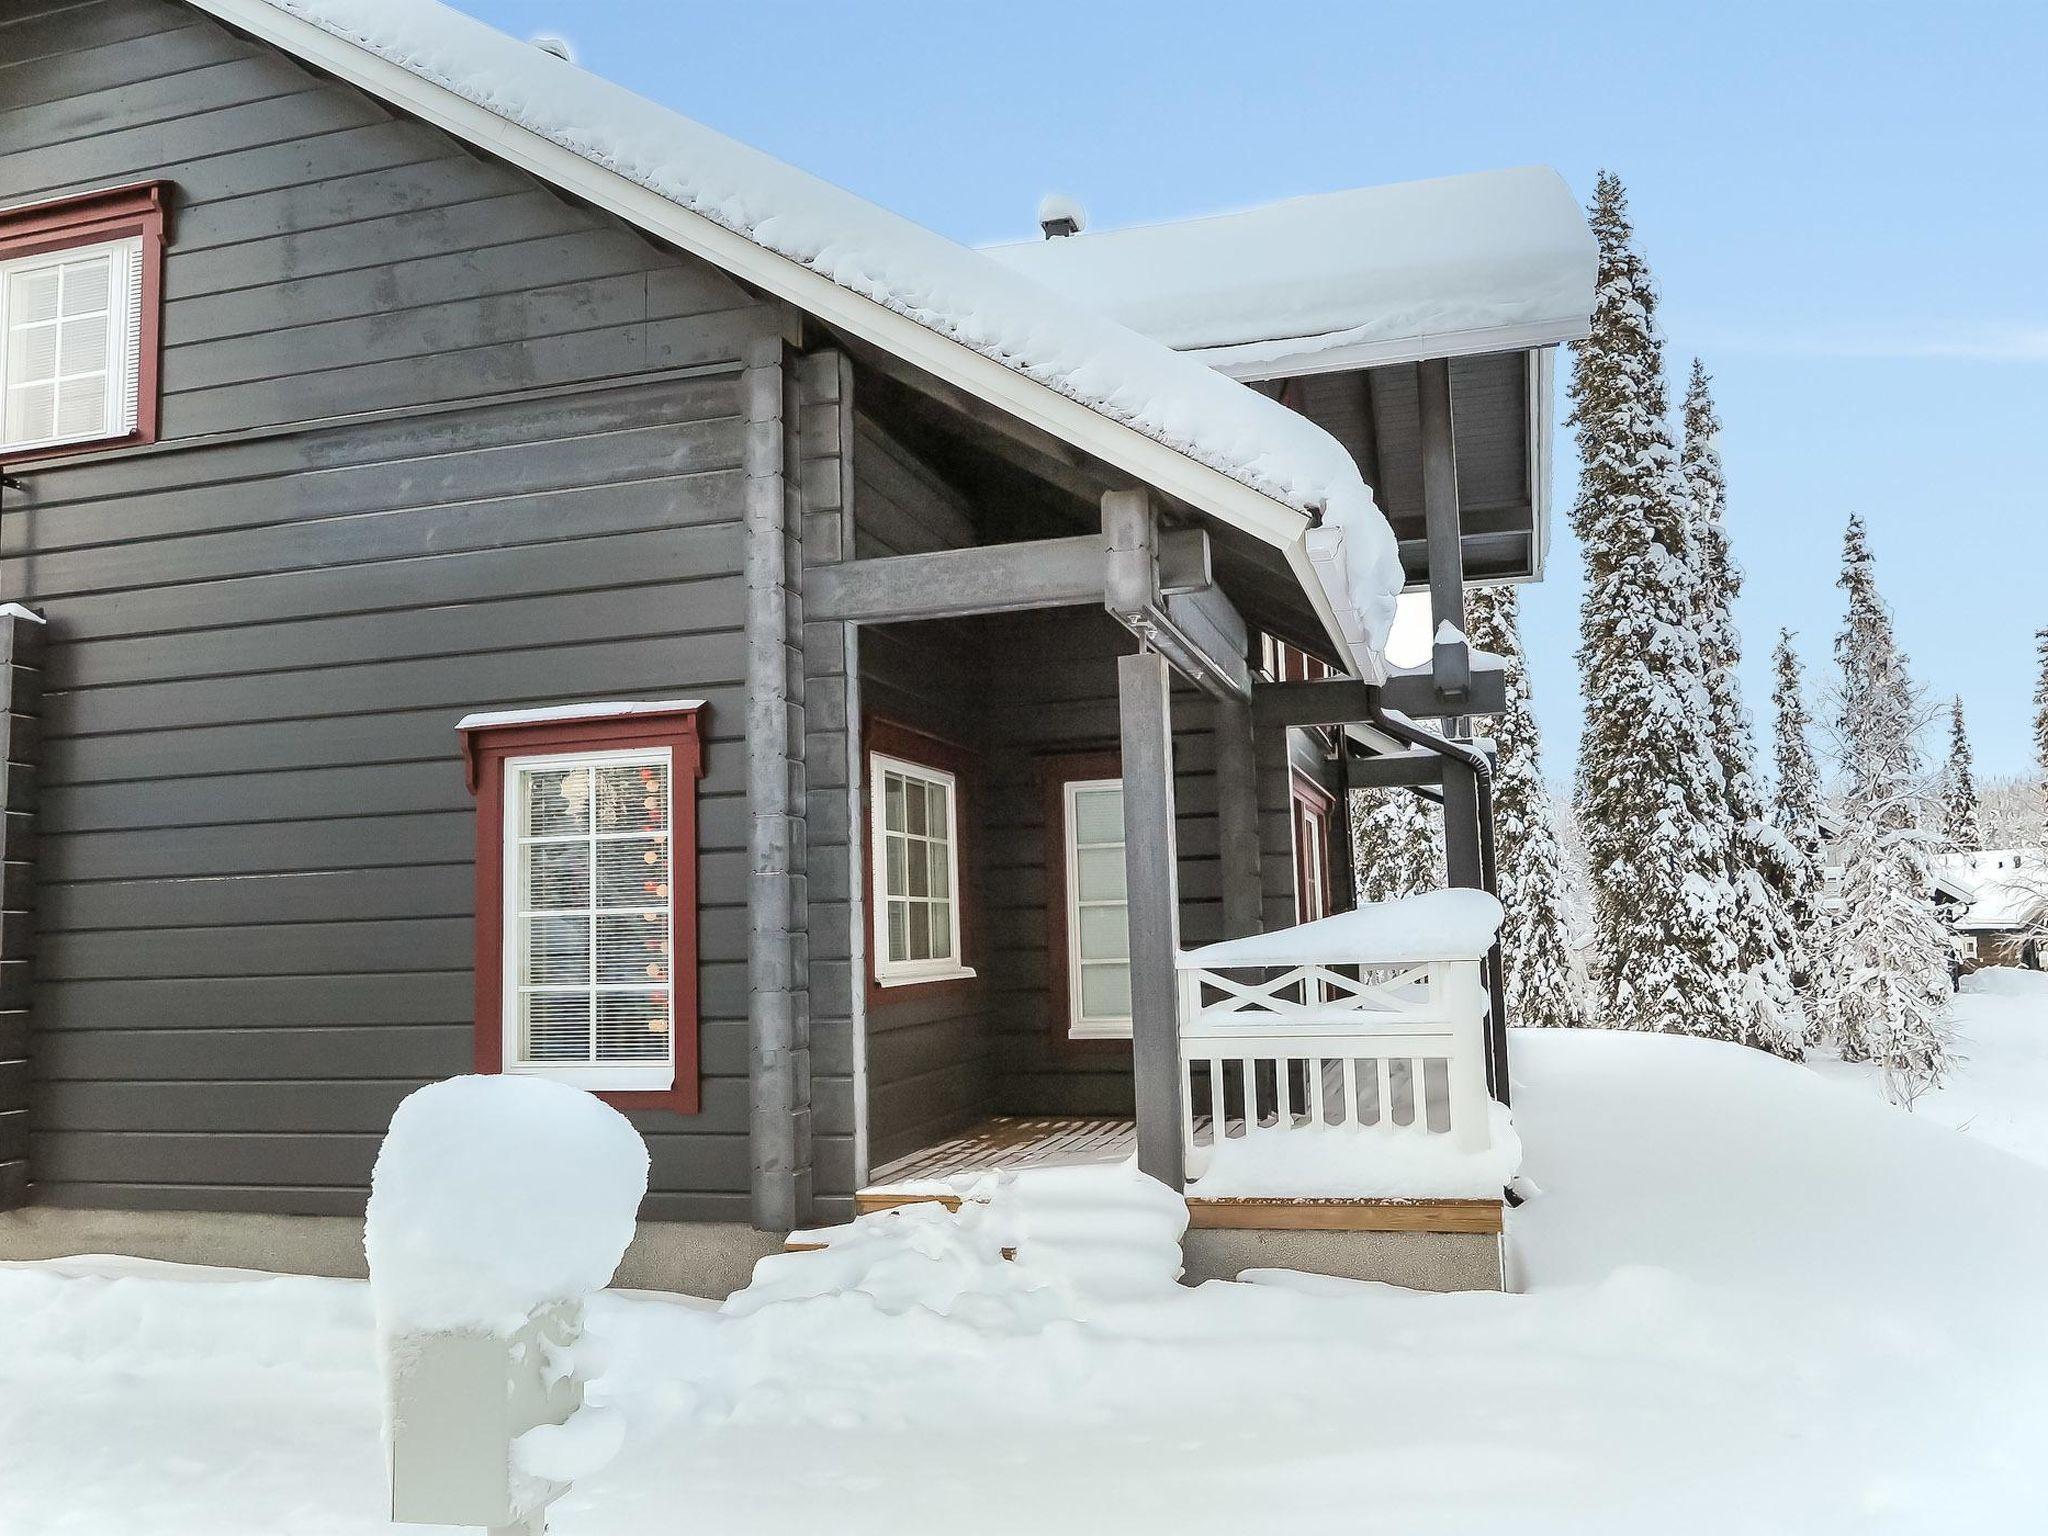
x=1390, y=1051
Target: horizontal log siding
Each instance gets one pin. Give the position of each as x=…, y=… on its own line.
x=1048, y=682
x=434, y=439
x=930, y=1068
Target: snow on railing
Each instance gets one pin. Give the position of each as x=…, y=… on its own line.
x=1346, y=1057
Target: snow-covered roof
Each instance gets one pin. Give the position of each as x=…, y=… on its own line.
x=973, y=321
x=1492, y=262
x=2006, y=888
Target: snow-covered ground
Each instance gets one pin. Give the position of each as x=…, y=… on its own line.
x=1756, y=1301
x=1999, y=1090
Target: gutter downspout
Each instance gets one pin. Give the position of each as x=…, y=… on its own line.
x=1402, y=729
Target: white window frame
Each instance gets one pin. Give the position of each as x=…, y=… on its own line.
x=124, y=333
x=903, y=973
x=1080, y=1026
x=597, y=1077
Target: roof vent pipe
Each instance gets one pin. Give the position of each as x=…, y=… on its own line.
x=558, y=46
x=1060, y=215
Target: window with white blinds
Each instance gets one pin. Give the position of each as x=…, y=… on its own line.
x=70, y=338
x=915, y=845
x=1098, y=911
x=590, y=926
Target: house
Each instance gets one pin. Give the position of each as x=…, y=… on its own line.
x=504, y=578
x=1996, y=902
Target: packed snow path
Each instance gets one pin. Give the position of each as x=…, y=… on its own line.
x=1758, y=1301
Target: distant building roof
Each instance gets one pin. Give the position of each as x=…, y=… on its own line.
x=1493, y=262
x=2006, y=888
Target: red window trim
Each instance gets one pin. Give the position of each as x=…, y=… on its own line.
x=1311, y=799
x=93, y=218
x=1055, y=774
x=892, y=738
x=485, y=750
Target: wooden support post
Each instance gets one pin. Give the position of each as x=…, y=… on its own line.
x=1461, y=826
x=778, y=964
x=1150, y=868
x=1237, y=816
x=1452, y=662
x=21, y=693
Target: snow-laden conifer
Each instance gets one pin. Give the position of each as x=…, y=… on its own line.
x=1539, y=971
x=1889, y=993
x=1796, y=813
x=1651, y=800
x=1961, y=827
x=1397, y=844
x=1761, y=863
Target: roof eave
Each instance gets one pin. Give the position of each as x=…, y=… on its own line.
x=1297, y=357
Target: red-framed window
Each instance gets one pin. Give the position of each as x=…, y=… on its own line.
x=1087, y=915
x=918, y=839
x=1313, y=819
x=81, y=303
x=586, y=898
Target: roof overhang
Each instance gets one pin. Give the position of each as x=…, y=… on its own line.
x=1148, y=460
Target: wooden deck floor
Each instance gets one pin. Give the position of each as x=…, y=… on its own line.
x=1008, y=1142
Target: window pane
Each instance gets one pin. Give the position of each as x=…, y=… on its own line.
x=31, y=354
x=631, y=797
x=84, y=345
x=31, y=413
x=917, y=869
x=86, y=285
x=937, y=824
x=556, y=1026
x=899, y=929
x=1105, y=991
x=629, y=948
x=917, y=918
x=1105, y=933
x=941, y=871
x=1099, y=815
x=632, y=1026
x=895, y=880
x=632, y=873
x=82, y=406
x=1099, y=874
x=557, y=801
x=557, y=951
x=942, y=930
x=892, y=801
x=914, y=807
x=32, y=296
x=557, y=876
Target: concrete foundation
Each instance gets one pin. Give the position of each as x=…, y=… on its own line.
x=712, y=1258
x=1422, y=1261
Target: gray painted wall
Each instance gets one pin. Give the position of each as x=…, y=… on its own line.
x=434, y=440
x=930, y=1049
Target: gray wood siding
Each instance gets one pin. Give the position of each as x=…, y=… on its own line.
x=433, y=440
x=1048, y=681
x=930, y=1067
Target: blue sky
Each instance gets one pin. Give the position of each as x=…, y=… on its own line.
x=1843, y=204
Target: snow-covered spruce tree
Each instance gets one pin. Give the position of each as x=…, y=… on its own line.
x=2041, y=722
x=1960, y=826
x=1795, y=811
x=1539, y=972
x=1651, y=801
x=1890, y=989
x=1761, y=862
x=1397, y=844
